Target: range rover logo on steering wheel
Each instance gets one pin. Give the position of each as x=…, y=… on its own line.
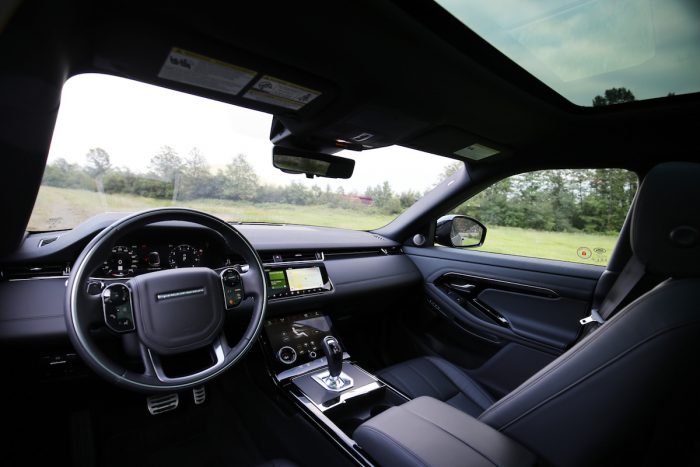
x=180, y=293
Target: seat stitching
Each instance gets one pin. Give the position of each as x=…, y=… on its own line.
x=408, y=450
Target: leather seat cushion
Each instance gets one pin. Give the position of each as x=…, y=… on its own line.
x=438, y=378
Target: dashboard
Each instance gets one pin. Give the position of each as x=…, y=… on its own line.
x=307, y=268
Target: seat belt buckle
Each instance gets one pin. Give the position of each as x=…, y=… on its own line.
x=594, y=317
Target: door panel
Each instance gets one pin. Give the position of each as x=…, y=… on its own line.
x=506, y=301
x=552, y=321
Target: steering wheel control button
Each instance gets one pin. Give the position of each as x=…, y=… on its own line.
x=287, y=355
x=116, y=306
x=95, y=287
x=233, y=287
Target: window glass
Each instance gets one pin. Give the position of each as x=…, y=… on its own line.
x=568, y=215
x=121, y=145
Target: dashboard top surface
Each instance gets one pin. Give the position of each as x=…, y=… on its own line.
x=264, y=237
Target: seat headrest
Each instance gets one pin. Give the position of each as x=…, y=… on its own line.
x=665, y=230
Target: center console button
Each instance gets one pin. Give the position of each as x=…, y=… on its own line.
x=287, y=355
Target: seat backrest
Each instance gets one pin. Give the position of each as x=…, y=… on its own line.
x=600, y=400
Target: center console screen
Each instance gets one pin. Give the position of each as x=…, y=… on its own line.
x=304, y=278
x=291, y=281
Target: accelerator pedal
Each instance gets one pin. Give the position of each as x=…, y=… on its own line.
x=200, y=395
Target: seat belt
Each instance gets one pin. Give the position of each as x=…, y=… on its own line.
x=631, y=274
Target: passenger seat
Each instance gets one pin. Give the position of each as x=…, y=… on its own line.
x=438, y=378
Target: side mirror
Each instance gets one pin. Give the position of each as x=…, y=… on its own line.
x=293, y=161
x=459, y=231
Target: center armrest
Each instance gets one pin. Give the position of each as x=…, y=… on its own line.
x=428, y=432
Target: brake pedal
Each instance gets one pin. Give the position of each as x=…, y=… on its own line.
x=199, y=394
x=161, y=404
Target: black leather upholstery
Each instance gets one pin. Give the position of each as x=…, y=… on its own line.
x=438, y=378
x=665, y=230
x=426, y=431
x=601, y=397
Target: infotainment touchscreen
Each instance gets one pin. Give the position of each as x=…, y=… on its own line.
x=304, y=278
x=277, y=279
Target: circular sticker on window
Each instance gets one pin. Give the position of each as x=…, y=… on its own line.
x=584, y=252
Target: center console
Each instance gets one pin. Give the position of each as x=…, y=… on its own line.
x=310, y=365
x=370, y=420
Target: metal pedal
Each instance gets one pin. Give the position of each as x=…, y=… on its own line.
x=161, y=404
x=199, y=394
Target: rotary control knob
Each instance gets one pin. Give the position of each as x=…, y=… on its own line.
x=287, y=355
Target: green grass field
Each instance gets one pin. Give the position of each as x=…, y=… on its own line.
x=62, y=208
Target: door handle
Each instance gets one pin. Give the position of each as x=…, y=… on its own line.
x=466, y=288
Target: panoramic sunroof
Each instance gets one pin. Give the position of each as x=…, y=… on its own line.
x=583, y=48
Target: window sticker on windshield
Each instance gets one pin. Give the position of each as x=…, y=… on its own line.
x=281, y=93
x=197, y=70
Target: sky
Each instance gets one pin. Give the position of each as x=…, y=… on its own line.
x=132, y=120
x=580, y=48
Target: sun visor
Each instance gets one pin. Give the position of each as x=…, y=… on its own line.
x=175, y=60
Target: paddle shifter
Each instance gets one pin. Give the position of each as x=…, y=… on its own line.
x=334, y=379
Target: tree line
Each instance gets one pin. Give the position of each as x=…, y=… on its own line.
x=177, y=178
x=593, y=200
x=584, y=200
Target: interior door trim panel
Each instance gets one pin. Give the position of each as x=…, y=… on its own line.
x=500, y=298
x=570, y=280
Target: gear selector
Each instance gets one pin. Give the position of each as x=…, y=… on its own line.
x=334, y=355
x=334, y=379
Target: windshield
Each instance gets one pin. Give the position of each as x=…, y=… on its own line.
x=121, y=145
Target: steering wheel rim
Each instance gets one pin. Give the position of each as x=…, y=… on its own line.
x=80, y=313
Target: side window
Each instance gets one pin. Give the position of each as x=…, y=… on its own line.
x=568, y=215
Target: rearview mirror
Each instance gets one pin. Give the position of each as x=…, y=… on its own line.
x=293, y=161
x=459, y=231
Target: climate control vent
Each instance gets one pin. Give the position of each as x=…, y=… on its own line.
x=36, y=271
x=393, y=250
x=291, y=256
x=47, y=240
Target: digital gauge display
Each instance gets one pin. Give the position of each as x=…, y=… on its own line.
x=121, y=262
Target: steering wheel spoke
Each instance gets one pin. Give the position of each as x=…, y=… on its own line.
x=118, y=308
x=154, y=368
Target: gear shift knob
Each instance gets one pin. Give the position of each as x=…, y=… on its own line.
x=334, y=355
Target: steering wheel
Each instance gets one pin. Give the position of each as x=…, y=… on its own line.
x=169, y=312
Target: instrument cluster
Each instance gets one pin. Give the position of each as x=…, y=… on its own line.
x=132, y=257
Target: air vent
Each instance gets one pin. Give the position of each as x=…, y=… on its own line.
x=379, y=237
x=47, y=240
x=34, y=271
x=393, y=250
x=292, y=256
